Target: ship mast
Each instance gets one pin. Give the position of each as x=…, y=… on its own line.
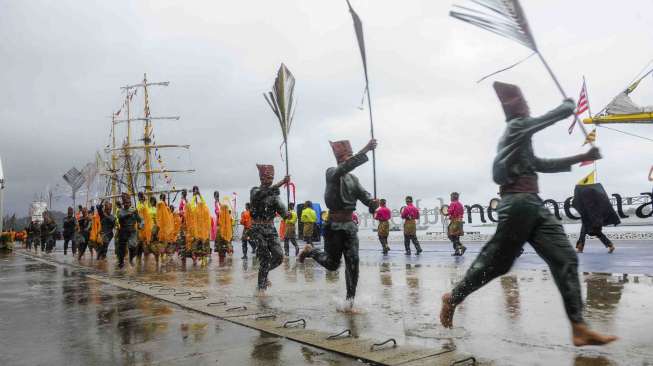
x=147, y=139
x=123, y=157
x=114, y=163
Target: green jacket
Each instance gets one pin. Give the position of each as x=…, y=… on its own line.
x=515, y=156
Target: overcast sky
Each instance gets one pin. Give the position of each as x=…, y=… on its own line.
x=62, y=64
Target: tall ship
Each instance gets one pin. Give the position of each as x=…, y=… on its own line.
x=134, y=159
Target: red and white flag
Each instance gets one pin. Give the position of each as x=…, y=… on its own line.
x=582, y=106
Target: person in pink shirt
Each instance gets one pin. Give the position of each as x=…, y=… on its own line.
x=410, y=214
x=183, y=202
x=455, y=228
x=383, y=216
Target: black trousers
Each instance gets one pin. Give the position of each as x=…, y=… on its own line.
x=50, y=244
x=286, y=245
x=523, y=218
x=66, y=240
x=44, y=242
x=102, y=250
x=341, y=239
x=583, y=233
x=125, y=241
x=268, y=251
x=246, y=239
x=411, y=238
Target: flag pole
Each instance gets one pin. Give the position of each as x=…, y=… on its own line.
x=596, y=132
x=285, y=142
x=564, y=95
x=369, y=106
x=358, y=29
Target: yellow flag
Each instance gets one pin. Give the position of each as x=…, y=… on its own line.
x=591, y=137
x=589, y=179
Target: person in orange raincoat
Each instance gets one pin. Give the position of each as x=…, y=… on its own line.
x=246, y=221
x=225, y=231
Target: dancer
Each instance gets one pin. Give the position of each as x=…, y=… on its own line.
x=309, y=219
x=455, y=228
x=198, y=228
x=166, y=228
x=84, y=231
x=290, y=235
x=156, y=244
x=224, y=233
x=49, y=227
x=69, y=225
x=177, y=243
x=129, y=222
x=523, y=217
x=44, y=231
x=107, y=225
x=265, y=204
x=33, y=235
x=410, y=214
x=145, y=232
x=95, y=236
x=342, y=192
x=596, y=211
x=383, y=216
x=246, y=221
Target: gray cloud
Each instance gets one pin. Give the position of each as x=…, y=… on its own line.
x=63, y=63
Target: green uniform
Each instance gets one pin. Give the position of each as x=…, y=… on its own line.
x=523, y=217
x=342, y=192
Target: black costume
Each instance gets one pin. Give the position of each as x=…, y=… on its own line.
x=127, y=237
x=48, y=235
x=592, y=203
x=44, y=235
x=69, y=227
x=107, y=224
x=265, y=204
x=522, y=215
x=85, y=234
x=33, y=235
x=341, y=234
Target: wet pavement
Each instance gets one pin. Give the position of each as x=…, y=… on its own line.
x=517, y=319
x=54, y=315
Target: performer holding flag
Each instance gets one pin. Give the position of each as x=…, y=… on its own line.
x=342, y=192
x=523, y=217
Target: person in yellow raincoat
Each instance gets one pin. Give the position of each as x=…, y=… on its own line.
x=175, y=245
x=198, y=227
x=165, y=225
x=145, y=232
x=225, y=231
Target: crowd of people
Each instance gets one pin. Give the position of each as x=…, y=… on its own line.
x=156, y=228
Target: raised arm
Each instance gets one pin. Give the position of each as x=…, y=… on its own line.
x=564, y=164
x=346, y=166
x=531, y=125
x=352, y=163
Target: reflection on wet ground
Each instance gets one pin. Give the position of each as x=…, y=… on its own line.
x=516, y=320
x=52, y=315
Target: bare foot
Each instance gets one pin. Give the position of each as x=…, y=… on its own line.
x=611, y=249
x=583, y=336
x=447, y=311
x=304, y=253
